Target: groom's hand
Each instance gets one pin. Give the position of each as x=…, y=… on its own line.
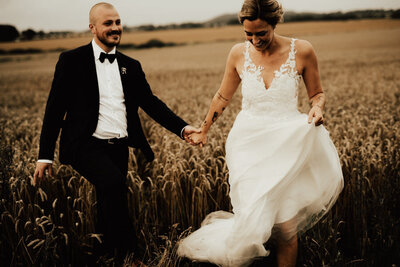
x=188, y=131
x=40, y=170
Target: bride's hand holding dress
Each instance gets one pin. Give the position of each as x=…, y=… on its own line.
x=315, y=114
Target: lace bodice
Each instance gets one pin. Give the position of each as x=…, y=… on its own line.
x=280, y=99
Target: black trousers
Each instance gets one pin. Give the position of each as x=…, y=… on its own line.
x=106, y=166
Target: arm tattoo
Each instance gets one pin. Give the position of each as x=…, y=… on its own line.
x=316, y=98
x=215, y=116
x=221, y=97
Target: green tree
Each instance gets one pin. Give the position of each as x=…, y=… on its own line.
x=28, y=34
x=8, y=33
x=396, y=14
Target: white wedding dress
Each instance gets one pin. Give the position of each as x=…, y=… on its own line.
x=281, y=169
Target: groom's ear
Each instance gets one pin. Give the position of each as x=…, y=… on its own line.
x=92, y=28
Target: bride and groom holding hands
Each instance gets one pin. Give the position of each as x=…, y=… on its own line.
x=284, y=172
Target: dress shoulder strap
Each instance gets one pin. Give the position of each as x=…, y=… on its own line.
x=292, y=52
x=248, y=63
x=292, y=56
x=247, y=60
x=289, y=67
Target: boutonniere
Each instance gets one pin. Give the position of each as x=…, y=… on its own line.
x=123, y=70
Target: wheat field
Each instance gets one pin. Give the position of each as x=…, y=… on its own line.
x=53, y=223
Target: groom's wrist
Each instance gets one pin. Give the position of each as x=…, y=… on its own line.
x=45, y=161
x=183, y=132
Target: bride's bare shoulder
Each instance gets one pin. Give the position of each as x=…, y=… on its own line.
x=239, y=47
x=237, y=50
x=304, y=48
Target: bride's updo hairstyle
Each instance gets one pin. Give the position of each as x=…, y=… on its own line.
x=268, y=10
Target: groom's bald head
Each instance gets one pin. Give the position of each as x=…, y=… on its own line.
x=105, y=25
x=94, y=11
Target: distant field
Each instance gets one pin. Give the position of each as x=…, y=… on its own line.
x=228, y=33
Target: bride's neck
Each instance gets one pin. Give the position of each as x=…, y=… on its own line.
x=273, y=46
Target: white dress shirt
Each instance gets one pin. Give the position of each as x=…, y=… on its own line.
x=112, y=112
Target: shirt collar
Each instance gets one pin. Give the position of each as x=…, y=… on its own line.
x=97, y=50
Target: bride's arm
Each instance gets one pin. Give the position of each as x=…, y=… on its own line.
x=221, y=99
x=312, y=81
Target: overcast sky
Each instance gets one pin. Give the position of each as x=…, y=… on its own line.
x=57, y=15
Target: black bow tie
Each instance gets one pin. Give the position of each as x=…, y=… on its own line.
x=103, y=56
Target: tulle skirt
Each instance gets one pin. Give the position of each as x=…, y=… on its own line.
x=283, y=175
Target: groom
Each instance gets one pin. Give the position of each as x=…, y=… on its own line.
x=94, y=99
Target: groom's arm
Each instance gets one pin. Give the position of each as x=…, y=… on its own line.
x=53, y=117
x=157, y=109
x=54, y=112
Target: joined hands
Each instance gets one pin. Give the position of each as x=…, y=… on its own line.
x=199, y=138
x=194, y=136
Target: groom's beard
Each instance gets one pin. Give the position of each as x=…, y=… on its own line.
x=111, y=39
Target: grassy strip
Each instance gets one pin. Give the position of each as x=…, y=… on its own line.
x=153, y=43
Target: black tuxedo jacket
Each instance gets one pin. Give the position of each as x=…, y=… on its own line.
x=73, y=105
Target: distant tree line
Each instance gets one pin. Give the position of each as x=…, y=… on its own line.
x=359, y=14
x=9, y=33
x=231, y=19
x=309, y=16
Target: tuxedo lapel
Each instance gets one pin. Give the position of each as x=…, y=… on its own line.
x=89, y=61
x=123, y=72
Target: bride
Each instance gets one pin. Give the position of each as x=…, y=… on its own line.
x=284, y=171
